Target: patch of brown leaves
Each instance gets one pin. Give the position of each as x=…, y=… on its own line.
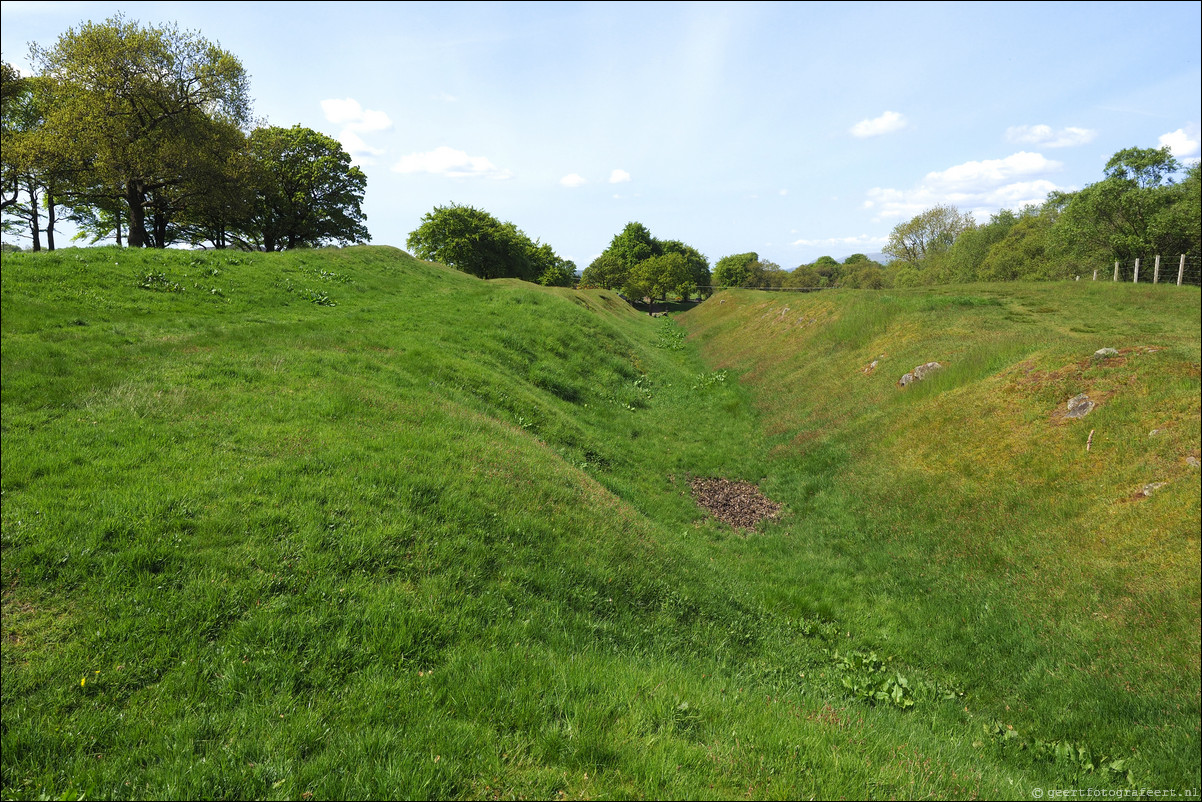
x=739, y=504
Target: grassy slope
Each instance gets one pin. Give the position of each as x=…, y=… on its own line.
x=435, y=540
x=964, y=523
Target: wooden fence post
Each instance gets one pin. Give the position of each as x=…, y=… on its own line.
x=1156, y=270
x=1116, y=269
x=1181, y=270
x=1095, y=275
x=1136, y=279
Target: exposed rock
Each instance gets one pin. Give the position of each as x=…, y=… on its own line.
x=1150, y=488
x=919, y=373
x=1102, y=353
x=871, y=366
x=1079, y=406
x=739, y=504
x=1192, y=462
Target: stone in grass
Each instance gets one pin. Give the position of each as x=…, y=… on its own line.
x=1150, y=488
x=1079, y=406
x=1102, y=353
x=919, y=373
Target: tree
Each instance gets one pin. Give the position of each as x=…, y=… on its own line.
x=633, y=244
x=802, y=277
x=966, y=255
x=830, y=272
x=1177, y=227
x=129, y=101
x=698, y=266
x=13, y=90
x=1115, y=218
x=549, y=268
x=606, y=272
x=38, y=175
x=734, y=270
x=307, y=192
x=932, y=232
x=764, y=274
x=1026, y=251
x=659, y=277
x=474, y=241
x=617, y=266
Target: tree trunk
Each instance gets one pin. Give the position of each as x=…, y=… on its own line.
x=35, y=220
x=135, y=196
x=117, y=219
x=50, y=219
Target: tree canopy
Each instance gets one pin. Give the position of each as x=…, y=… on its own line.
x=144, y=130
x=472, y=240
x=931, y=232
x=131, y=105
x=306, y=190
x=734, y=270
x=642, y=266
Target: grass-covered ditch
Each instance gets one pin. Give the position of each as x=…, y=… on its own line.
x=343, y=524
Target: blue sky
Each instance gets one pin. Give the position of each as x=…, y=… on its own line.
x=789, y=129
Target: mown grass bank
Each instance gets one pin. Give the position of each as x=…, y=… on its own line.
x=344, y=524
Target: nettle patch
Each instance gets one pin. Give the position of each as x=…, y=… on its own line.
x=870, y=679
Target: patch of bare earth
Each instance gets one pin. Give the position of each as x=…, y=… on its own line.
x=739, y=504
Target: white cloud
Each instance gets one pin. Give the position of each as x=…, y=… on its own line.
x=974, y=176
x=360, y=152
x=355, y=120
x=1044, y=136
x=784, y=192
x=990, y=184
x=1183, y=142
x=834, y=242
x=619, y=177
x=887, y=123
x=451, y=163
x=353, y=117
x=573, y=180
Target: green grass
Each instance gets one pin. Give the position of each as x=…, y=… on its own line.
x=343, y=524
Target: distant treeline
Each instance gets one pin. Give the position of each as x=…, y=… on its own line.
x=1146, y=205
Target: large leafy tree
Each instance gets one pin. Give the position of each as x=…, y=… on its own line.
x=131, y=103
x=13, y=91
x=633, y=244
x=624, y=266
x=927, y=234
x=698, y=267
x=1176, y=227
x=472, y=240
x=659, y=277
x=735, y=270
x=307, y=192
x=606, y=272
x=1126, y=215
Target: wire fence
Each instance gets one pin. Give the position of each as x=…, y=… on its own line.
x=1184, y=270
